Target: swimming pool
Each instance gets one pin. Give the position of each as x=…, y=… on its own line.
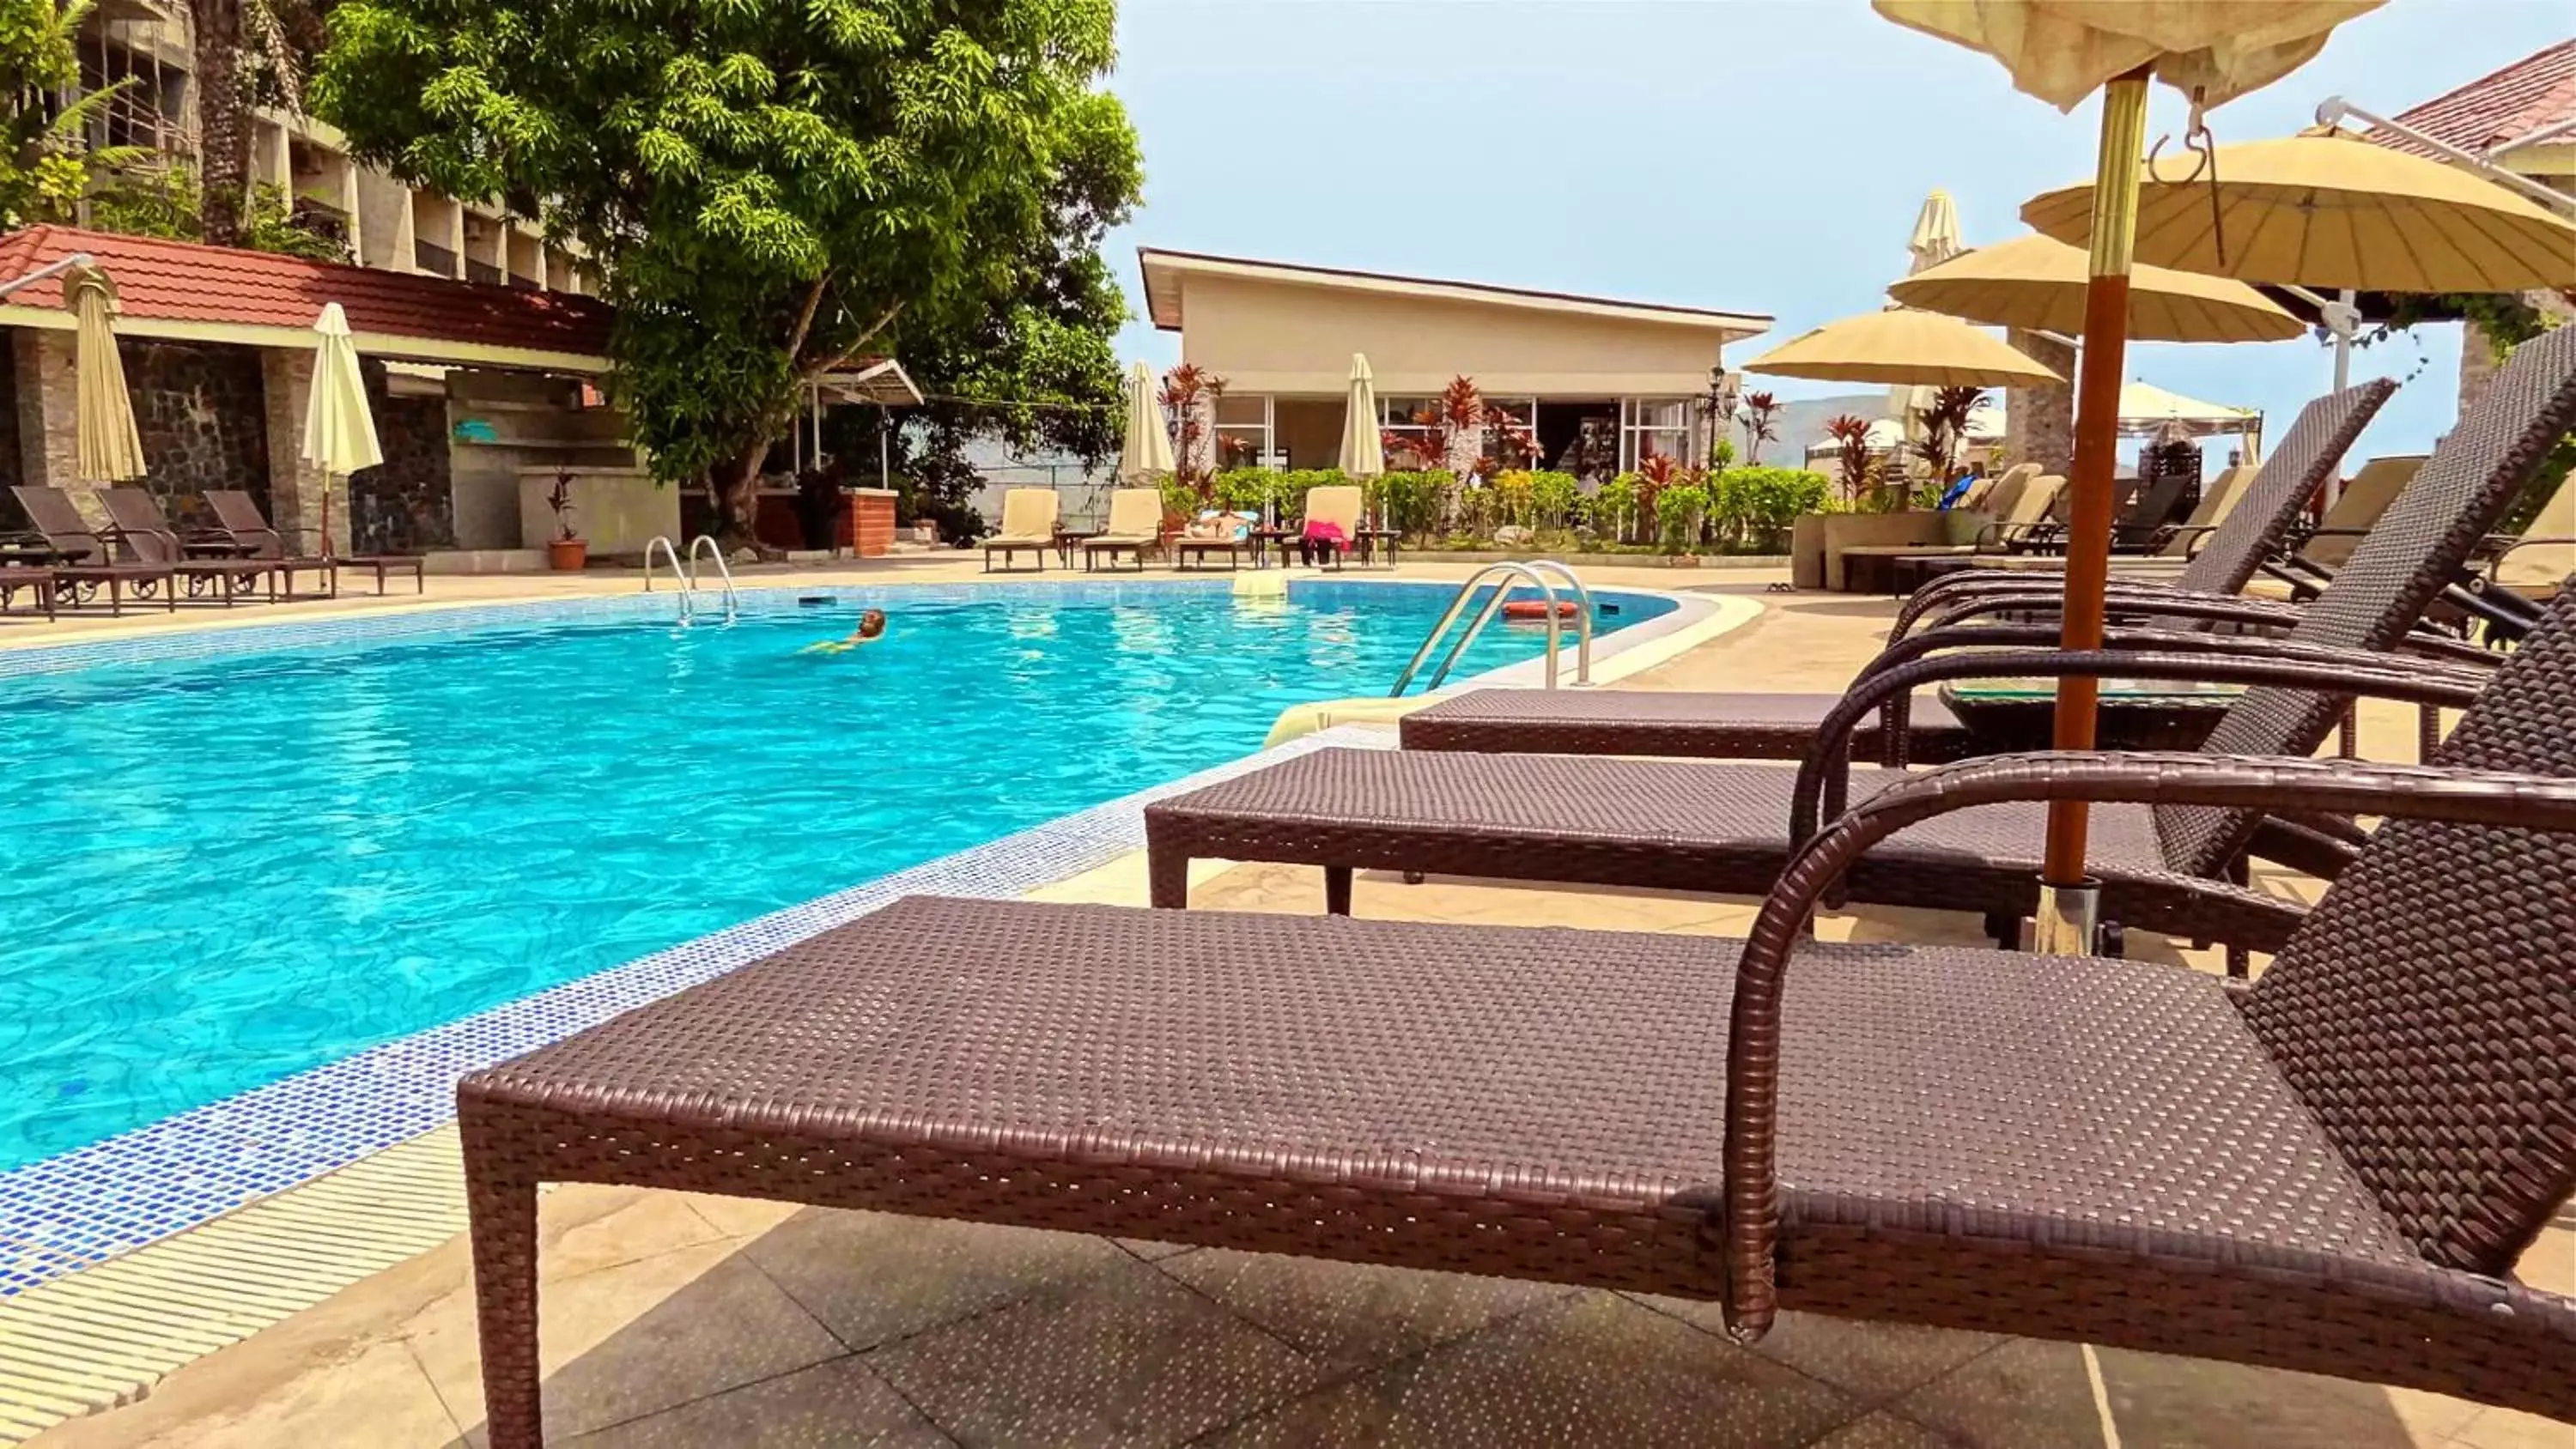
x=223, y=870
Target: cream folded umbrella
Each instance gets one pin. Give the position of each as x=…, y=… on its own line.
x=1935, y=240
x=1903, y=347
x=2037, y=283
x=339, y=431
x=2329, y=210
x=105, y=446
x=1363, y=453
x=1146, y=456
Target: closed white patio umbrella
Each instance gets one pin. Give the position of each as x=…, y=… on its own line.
x=1146, y=457
x=1363, y=453
x=339, y=431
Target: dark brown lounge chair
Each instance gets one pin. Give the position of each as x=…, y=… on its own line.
x=2333, y=1170
x=204, y=563
x=86, y=559
x=1778, y=726
x=40, y=582
x=240, y=524
x=1635, y=821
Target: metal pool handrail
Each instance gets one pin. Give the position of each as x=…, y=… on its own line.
x=1582, y=617
x=688, y=586
x=714, y=551
x=1458, y=605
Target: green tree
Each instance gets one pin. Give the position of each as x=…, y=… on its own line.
x=773, y=190
x=48, y=162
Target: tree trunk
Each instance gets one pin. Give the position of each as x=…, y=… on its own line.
x=737, y=488
x=223, y=121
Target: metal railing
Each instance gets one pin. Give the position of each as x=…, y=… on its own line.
x=1502, y=574
x=707, y=542
x=688, y=586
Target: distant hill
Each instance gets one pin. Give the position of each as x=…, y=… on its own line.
x=1802, y=421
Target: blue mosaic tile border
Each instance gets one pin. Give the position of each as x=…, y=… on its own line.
x=88, y=1205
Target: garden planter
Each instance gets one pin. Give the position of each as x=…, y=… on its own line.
x=567, y=555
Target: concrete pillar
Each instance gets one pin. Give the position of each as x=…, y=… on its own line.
x=2039, y=422
x=295, y=487
x=49, y=415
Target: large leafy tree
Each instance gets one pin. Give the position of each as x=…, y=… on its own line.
x=770, y=190
x=46, y=162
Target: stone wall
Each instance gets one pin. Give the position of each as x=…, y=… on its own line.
x=13, y=469
x=201, y=411
x=407, y=505
x=2039, y=422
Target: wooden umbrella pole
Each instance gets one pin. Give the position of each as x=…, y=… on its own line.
x=2097, y=406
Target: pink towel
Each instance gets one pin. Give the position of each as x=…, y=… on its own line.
x=1323, y=530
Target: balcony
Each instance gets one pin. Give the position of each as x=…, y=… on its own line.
x=433, y=258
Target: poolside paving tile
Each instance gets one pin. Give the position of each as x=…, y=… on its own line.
x=839, y=1403
x=875, y=1277
x=1354, y=1315
x=1127, y=1358
x=628, y=1341
x=1883, y=1430
x=1595, y=1369
x=1873, y=1361
x=2021, y=1394
x=2158, y=1399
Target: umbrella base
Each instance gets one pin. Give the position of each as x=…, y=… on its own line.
x=2069, y=919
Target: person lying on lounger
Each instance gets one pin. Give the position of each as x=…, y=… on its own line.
x=871, y=628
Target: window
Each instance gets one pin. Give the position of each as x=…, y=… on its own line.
x=1656, y=425
x=1395, y=418
x=1522, y=411
x=1243, y=431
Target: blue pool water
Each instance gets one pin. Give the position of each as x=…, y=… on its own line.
x=217, y=872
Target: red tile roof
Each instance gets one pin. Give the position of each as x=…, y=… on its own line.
x=2535, y=91
x=183, y=281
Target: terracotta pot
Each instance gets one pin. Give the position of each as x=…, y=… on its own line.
x=567, y=555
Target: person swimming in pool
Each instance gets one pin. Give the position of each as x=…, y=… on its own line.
x=872, y=626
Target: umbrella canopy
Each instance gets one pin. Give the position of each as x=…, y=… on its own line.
x=1363, y=455
x=1902, y=347
x=1146, y=456
x=106, y=448
x=2147, y=408
x=339, y=431
x=2064, y=50
x=2037, y=283
x=2329, y=210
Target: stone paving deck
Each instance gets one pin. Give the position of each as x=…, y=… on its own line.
x=682, y=1320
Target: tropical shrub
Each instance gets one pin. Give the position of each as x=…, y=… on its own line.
x=1680, y=512
x=1411, y=502
x=1614, y=508
x=1511, y=494
x=1554, y=499
x=1763, y=502
x=1760, y=408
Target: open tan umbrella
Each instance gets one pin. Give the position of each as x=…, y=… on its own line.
x=2328, y=210
x=339, y=430
x=1902, y=347
x=2037, y=283
x=1146, y=457
x=105, y=445
x=2061, y=51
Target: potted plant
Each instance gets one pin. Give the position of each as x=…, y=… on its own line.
x=567, y=551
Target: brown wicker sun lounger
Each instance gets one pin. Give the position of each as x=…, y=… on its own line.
x=239, y=522
x=143, y=529
x=2000, y=1142
x=41, y=582
x=2482, y=460
x=87, y=559
x=1425, y=811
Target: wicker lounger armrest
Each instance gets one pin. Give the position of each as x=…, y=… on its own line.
x=2172, y=603
x=2339, y=787
x=2468, y=661
x=1824, y=776
x=1941, y=594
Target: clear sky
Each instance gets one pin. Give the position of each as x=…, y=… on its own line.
x=1760, y=155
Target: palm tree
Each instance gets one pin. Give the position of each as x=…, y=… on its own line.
x=223, y=119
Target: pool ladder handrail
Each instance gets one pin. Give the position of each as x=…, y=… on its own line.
x=1502, y=573
x=679, y=575
x=706, y=541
